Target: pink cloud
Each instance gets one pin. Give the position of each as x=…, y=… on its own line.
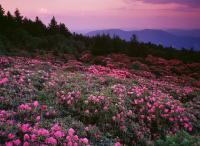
x=193, y=3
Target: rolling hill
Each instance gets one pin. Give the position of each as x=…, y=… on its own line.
x=176, y=38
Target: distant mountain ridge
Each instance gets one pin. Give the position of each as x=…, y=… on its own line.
x=176, y=38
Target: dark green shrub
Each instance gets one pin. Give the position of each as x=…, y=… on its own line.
x=182, y=138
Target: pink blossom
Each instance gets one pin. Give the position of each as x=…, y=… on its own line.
x=33, y=137
x=38, y=118
x=86, y=128
x=166, y=110
x=84, y=140
x=43, y=132
x=51, y=140
x=47, y=113
x=68, y=138
x=9, y=143
x=117, y=144
x=55, y=127
x=129, y=113
x=17, y=142
x=25, y=127
x=76, y=138
x=71, y=131
x=26, y=144
x=24, y=107
x=69, y=143
x=26, y=137
x=11, y=136
x=36, y=103
x=59, y=134
x=4, y=80
x=87, y=111
x=43, y=107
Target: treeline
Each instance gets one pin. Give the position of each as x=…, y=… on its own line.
x=22, y=36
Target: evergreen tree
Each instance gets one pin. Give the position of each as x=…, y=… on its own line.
x=18, y=16
x=1, y=11
x=53, y=26
x=9, y=15
x=64, y=30
x=39, y=27
x=134, y=39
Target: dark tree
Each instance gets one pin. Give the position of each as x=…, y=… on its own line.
x=18, y=16
x=2, y=12
x=9, y=15
x=64, y=30
x=134, y=39
x=53, y=26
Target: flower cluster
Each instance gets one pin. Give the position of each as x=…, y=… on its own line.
x=137, y=90
x=96, y=104
x=41, y=136
x=162, y=108
x=106, y=71
x=3, y=81
x=119, y=90
x=69, y=98
x=73, y=65
x=123, y=100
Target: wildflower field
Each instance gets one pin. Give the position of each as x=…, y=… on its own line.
x=106, y=100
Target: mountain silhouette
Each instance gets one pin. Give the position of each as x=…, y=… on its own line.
x=176, y=38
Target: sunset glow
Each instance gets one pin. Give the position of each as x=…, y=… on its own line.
x=101, y=14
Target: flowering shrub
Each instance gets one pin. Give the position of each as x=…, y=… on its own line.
x=119, y=90
x=69, y=98
x=116, y=73
x=107, y=104
x=41, y=136
x=17, y=133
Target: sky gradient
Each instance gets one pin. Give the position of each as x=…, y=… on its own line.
x=80, y=15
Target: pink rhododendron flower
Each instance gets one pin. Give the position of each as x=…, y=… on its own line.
x=33, y=137
x=55, y=127
x=26, y=137
x=43, y=107
x=59, y=134
x=36, y=103
x=117, y=144
x=38, y=118
x=9, y=144
x=69, y=143
x=84, y=140
x=11, y=136
x=4, y=80
x=17, y=142
x=51, y=140
x=26, y=144
x=43, y=132
x=68, y=138
x=25, y=127
x=87, y=111
x=24, y=107
x=76, y=138
x=71, y=131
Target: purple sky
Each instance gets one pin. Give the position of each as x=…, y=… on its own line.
x=100, y=14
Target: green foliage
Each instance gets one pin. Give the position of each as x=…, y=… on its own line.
x=182, y=138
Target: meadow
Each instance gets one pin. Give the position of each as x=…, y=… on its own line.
x=106, y=100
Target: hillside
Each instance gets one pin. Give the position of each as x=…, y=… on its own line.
x=176, y=38
x=107, y=100
x=60, y=88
